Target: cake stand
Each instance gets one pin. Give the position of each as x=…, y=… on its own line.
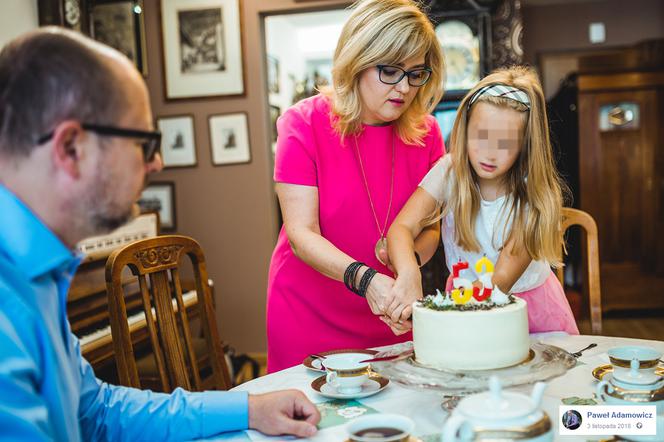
x=544, y=362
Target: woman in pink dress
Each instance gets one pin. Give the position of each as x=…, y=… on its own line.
x=346, y=162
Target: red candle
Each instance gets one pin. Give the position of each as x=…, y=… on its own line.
x=481, y=294
x=456, y=268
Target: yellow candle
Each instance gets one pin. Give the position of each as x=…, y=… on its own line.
x=462, y=296
x=483, y=265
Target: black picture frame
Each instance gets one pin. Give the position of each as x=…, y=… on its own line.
x=80, y=15
x=120, y=24
x=71, y=14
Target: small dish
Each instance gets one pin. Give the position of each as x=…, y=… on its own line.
x=373, y=385
x=599, y=372
x=314, y=364
x=414, y=439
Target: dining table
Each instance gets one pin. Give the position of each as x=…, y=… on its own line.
x=576, y=386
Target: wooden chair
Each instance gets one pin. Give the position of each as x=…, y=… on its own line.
x=575, y=217
x=159, y=259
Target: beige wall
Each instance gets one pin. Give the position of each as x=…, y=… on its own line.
x=230, y=209
x=18, y=16
x=565, y=26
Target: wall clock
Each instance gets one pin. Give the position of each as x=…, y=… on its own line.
x=461, y=51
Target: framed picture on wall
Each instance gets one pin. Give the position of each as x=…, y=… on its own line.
x=178, y=145
x=71, y=14
x=159, y=196
x=272, y=74
x=275, y=112
x=229, y=139
x=202, y=48
x=119, y=24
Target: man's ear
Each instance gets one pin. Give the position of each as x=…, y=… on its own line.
x=67, y=147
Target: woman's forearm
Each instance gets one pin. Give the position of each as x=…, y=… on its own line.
x=319, y=253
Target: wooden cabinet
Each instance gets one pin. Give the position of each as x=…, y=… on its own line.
x=621, y=167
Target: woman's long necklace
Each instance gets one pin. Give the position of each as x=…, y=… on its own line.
x=382, y=241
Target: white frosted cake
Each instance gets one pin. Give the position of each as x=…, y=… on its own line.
x=473, y=336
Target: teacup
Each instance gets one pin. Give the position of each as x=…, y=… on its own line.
x=380, y=428
x=635, y=364
x=345, y=373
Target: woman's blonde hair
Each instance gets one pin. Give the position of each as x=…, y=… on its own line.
x=534, y=188
x=384, y=31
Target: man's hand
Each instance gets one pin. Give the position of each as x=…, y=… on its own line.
x=283, y=412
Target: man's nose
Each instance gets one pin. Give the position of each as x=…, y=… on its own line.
x=155, y=165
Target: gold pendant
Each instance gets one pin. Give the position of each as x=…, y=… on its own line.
x=381, y=244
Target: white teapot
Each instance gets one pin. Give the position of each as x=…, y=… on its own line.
x=498, y=414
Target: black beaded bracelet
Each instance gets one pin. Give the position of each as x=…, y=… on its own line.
x=350, y=274
x=365, y=281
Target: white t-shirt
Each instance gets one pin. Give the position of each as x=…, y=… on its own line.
x=491, y=229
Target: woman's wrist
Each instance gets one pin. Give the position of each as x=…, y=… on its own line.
x=357, y=278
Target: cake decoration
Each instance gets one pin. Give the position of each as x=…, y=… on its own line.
x=468, y=296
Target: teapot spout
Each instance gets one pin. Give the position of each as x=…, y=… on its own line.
x=538, y=393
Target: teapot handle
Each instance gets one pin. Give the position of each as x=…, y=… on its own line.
x=451, y=428
x=602, y=387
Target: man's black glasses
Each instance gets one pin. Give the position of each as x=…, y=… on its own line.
x=151, y=141
x=394, y=74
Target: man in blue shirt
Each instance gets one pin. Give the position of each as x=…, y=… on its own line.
x=76, y=144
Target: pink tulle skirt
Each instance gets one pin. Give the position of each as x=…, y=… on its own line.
x=548, y=309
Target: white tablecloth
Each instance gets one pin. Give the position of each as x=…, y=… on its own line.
x=424, y=406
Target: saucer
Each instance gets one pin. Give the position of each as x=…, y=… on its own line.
x=410, y=439
x=370, y=387
x=314, y=364
x=602, y=370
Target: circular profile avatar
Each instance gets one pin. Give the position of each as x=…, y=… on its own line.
x=572, y=419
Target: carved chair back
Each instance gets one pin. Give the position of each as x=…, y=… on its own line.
x=158, y=260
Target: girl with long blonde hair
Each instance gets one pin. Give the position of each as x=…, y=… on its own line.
x=499, y=195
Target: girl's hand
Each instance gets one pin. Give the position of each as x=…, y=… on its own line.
x=406, y=290
x=397, y=328
x=378, y=293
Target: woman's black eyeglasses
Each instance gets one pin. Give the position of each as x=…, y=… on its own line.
x=151, y=141
x=394, y=74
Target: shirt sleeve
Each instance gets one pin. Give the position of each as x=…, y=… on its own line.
x=23, y=412
x=295, y=158
x=435, y=181
x=108, y=412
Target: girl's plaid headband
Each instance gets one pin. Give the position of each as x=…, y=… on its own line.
x=501, y=90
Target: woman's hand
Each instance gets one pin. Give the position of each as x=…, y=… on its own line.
x=406, y=290
x=378, y=292
x=397, y=328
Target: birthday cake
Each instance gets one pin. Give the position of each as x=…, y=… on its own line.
x=471, y=327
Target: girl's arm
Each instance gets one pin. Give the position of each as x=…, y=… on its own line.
x=401, y=247
x=512, y=262
x=299, y=207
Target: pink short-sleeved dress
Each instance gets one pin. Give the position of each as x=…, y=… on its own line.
x=308, y=312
